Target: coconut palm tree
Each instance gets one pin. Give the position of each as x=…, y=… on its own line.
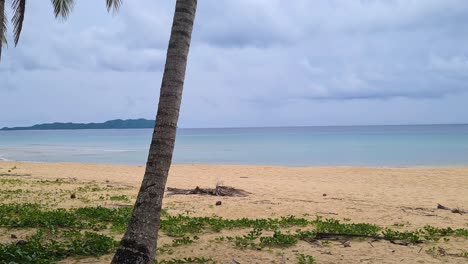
x=140, y=240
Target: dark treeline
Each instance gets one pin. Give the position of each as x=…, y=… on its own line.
x=111, y=124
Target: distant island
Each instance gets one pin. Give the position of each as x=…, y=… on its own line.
x=111, y=124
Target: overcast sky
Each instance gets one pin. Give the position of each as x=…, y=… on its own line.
x=252, y=63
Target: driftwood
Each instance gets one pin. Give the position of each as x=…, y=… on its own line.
x=453, y=210
x=333, y=236
x=218, y=191
x=346, y=237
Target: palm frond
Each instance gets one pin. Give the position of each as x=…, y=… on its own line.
x=19, y=7
x=3, y=26
x=63, y=8
x=113, y=5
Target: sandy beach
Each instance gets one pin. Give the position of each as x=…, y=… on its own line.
x=401, y=198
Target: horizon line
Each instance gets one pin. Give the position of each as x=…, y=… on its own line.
x=241, y=127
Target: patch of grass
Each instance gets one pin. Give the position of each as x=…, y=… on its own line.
x=15, y=191
x=248, y=239
x=90, y=188
x=184, y=241
x=305, y=259
x=38, y=249
x=334, y=226
x=278, y=240
x=413, y=237
x=181, y=225
x=49, y=182
x=33, y=215
x=120, y=198
x=11, y=181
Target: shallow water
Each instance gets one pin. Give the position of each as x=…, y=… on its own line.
x=429, y=145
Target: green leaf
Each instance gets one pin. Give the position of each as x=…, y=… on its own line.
x=19, y=7
x=63, y=8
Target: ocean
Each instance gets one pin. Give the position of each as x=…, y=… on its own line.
x=375, y=146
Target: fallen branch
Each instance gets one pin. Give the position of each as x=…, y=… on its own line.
x=453, y=210
x=218, y=191
x=334, y=236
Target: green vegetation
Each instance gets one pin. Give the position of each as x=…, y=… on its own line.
x=33, y=215
x=53, y=246
x=111, y=124
x=120, y=198
x=305, y=259
x=11, y=181
x=58, y=235
x=335, y=227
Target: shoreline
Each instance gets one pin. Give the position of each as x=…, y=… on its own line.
x=246, y=165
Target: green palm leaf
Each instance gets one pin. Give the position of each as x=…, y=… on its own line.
x=19, y=7
x=113, y=4
x=62, y=8
x=3, y=26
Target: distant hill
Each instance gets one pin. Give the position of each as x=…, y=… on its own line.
x=111, y=124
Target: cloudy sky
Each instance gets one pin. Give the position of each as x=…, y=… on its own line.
x=252, y=63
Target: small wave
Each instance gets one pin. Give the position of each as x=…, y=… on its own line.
x=3, y=159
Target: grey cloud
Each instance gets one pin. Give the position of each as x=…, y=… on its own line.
x=251, y=63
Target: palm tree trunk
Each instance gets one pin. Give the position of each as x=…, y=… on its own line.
x=140, y=240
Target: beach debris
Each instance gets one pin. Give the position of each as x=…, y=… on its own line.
x=347, y=237
x=441, y=251
x=453, y=210
x=330, y=213
x=317, y=243
x=218, y=203
x=73, y=196
x=235, y=261
x=400, y=242
x=346, y=243
x=13, y=236
x=218, y=191
x=324, y=194
x=21, y=242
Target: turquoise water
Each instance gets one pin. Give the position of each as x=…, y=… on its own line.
x=431, y=145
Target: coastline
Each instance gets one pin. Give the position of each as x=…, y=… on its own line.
x=383, y=196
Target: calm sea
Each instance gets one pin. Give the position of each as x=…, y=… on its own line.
x=428, y=145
